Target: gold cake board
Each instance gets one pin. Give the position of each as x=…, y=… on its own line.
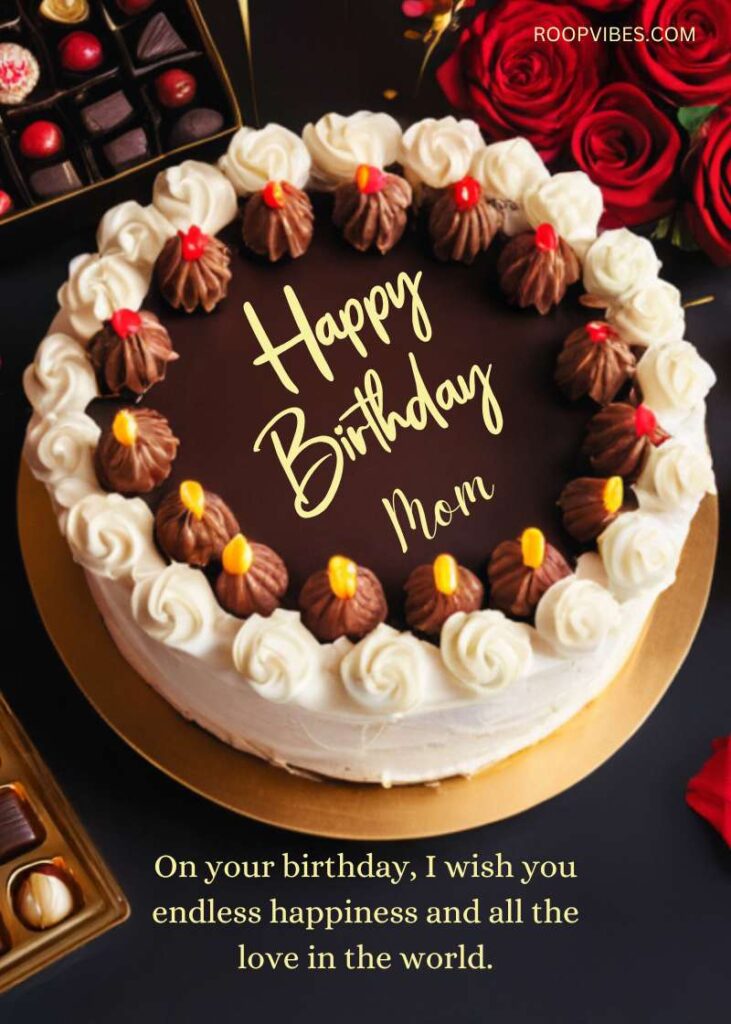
x=347, y=810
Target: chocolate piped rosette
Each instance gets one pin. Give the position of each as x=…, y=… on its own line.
x=307, y=634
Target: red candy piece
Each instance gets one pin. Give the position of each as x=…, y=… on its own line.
x=645, y=421
x=369, y=179
x=599, y=332
x=41, y=139
x=467, y=193
x=6, y=203
x=132, y=7
x=175, y=88
x=80, y=52
x=273, y=195
x=126, y=322
x=194, y=243
x=546, y=238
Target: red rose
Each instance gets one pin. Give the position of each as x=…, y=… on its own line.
x=630, y=149
x=605, y=5
x=707, y=170
x=513, y=83
x=709, y=792
x=685, y=72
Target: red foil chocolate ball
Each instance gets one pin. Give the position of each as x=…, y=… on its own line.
x=132, y=7
x=80, y=52
x=175, y=88
x=6, y=203
x=40, y=140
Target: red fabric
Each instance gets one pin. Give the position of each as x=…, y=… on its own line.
x=709, y=792
x=708, y=173
x=513, y=84
x=631, y=150
x=689, y=73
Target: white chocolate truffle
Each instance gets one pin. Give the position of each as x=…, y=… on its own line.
x=43, y=900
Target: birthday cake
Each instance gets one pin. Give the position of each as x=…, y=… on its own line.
x=375, y=451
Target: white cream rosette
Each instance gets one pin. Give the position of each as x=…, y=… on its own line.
x=485, y=651
x=60, y=453
x=136, y=232
x=674, y=378
x=506, y=170
x=197, y=194
x=651, y=314
x=576, y=616
x=177, y=607
x=111, y=536
x=571, y=203
x=60, y=378
x=339, y=144
x=256, y=156
x=618, y=262
x=277, y=656
x=384, y=672
x=96, y=287
x=438, y=152
x=640, y=554
x=676, y=476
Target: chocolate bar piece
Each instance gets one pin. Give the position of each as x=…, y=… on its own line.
x=129, y=149
x=194, y=125
x=57, y=180
x=106, y=114
x=159, y=39
x=19, y=829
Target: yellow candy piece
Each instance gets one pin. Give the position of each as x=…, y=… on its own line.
x=613, y=496
x=193, y=497
x=446, y=578
x=362, y=176
x=533, y=546
x=237, y=556
x=343, y=576
x=124, y=428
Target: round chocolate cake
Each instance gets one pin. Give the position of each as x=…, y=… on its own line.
x=376, y=453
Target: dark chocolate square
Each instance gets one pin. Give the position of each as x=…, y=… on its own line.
x=127, y=150
x=106, y=114
x=56, y=180
x=158, y=40
x=20, y=831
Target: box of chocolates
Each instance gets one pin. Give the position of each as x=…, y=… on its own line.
x=56, y=892
x=91, y=90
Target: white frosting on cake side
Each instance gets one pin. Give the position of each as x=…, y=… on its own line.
x=256, y=156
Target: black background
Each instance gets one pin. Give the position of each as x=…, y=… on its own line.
x=652, y=943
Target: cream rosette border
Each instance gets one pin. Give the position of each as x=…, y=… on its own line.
x=388, y=674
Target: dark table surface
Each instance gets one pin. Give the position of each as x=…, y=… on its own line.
x=653, y=879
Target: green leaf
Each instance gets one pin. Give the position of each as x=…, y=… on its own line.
x=662, y=229
x=691, y=118
x=682, y=237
